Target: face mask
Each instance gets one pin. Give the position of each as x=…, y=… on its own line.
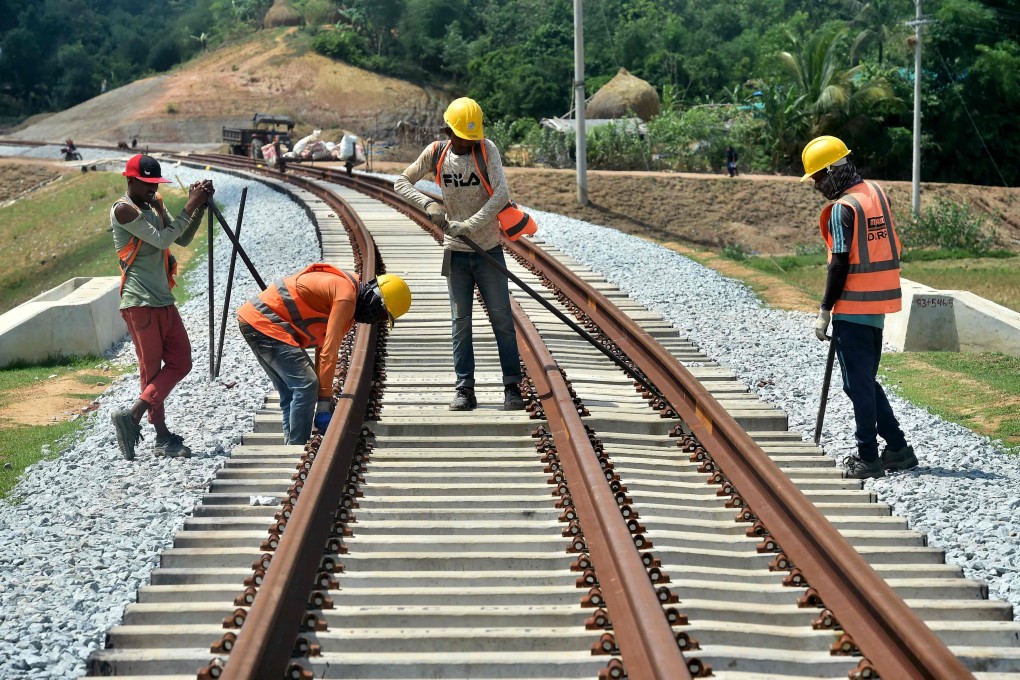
x=838, y=179
x=370, y=306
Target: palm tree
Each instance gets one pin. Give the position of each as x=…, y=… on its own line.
x=878, y=21
x=832, y=96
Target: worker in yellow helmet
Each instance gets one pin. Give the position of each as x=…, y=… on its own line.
x=314, y=308
x=473, y=199
x=862, y=286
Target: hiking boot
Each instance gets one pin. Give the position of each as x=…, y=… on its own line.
x=900, y=459
x=857, y=468
x=465, y=400
x=128, y=432
x=512, y=399
x=171, y=447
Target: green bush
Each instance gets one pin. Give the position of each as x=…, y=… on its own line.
x=341, y=44
x=617, y=146
x=950, y=226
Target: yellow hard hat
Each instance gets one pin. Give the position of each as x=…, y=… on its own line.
x=821, y=152
x=464, y=116
x=396, y=295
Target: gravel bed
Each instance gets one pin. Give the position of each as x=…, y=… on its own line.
x=965, y=494
x=83, y=531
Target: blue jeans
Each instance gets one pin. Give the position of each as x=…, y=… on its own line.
x=859, y=349
x=293, y=377
x=466, y=271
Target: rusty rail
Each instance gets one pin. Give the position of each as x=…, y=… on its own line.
x=265, y=643
x=887, y=631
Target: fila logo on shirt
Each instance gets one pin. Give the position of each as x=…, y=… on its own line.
x=456, y=179
x=876, y=229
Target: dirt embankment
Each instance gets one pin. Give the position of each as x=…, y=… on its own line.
x=271, y=72
x=759, y=213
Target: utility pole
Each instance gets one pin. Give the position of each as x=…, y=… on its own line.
x=915, y=202
x=581, y=148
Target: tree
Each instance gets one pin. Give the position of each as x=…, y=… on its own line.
x=832, y=96
x=878, y=21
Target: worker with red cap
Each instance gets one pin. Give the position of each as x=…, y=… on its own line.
x=142, y=233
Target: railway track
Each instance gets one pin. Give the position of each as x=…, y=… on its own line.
x=596, y=534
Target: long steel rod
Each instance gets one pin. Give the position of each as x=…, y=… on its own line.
x=230, y=283
x=825, y=389
x=233, y=239
x=212, y=301
x=560, y=315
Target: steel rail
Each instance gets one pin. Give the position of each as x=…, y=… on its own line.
x=884, y=628
x=265, y=643
x=886, y=631
x=645, y=638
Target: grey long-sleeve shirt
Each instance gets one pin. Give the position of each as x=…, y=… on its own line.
x=145, y=284
x=464, y=194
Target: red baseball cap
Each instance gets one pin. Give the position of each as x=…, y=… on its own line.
x=144, y=168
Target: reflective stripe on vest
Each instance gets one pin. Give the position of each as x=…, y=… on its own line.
x=873, y=282
x=285, y=313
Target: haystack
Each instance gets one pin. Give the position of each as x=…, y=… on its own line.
x=623, y=95
x=281, y=14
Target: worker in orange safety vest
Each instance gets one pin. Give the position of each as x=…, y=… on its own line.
x=314, y=308
x=862, y=286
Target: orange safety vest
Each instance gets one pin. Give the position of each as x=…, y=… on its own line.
x=512, y=220
x=873, y=283
x=280, y=313
x=126, y=255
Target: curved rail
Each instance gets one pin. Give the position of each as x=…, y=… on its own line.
x=888, y=633
x=266, y=641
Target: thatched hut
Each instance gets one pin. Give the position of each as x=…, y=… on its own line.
x=623, y=96
x=281, y=14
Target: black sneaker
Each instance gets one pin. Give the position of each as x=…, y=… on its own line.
x=900, y=459
x=512, y=399
x=465, y=400
x=128, y=432
x=171, y=447
x=857, y=468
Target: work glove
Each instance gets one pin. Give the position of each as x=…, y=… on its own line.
x=436, y=215
x=456, y=228
x=323, y=414
x=822, y=324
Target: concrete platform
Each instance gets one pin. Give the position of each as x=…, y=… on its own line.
x=951, y=321
x=80, y=316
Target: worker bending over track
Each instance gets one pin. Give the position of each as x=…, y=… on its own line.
x=314, y=308
x=469, y=172
x=142, y=234
x=863, y=285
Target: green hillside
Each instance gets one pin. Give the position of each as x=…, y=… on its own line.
x=764, y=75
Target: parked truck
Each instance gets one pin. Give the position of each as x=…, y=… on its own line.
x=264, y=127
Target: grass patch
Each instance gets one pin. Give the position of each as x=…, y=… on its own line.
x=22, y=446
x=21, y=375
x=992, y=278
x=995, y=277
x=60, y=232
x=978, y=391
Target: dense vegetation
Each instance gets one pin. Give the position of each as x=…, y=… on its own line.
x=763, y=75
